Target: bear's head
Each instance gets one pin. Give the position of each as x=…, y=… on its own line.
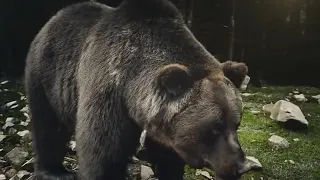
x=200, y=116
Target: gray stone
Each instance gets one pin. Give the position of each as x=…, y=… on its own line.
x=24, y=123
x=247, y=94
x=4, y=82
x=253, y=162
x=2, y=137
x=296, y=92
x=245, y=83
x=7, y=124
x=10, y=173
x=25, y=109
x=11, y=119
x=26, y=135
x=300, y=97
x=255, y=112
x=291, y=161
x=73, y=145
x=284, y=111
x=2, y=177
x=17, y=156
x=146, y=172
x=23, y=174
x=316, y=97
x=296, y=139
x=12, y=131
x=9, y=104
x=203, y=173
x=14, y=106
x=278, y=142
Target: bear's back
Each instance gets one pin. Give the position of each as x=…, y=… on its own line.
x=54, y=54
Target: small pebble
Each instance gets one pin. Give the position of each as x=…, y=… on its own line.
x=10, y=173
x=12, y=131
x=278, y=142
x=146, y=172
x=291, y=162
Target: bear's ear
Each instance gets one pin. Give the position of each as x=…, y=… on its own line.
x=235, y=71
x=174, y=79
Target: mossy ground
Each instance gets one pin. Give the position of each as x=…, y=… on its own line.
x=254, y=132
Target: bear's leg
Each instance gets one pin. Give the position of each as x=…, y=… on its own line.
x=50, y=137
x=106, y=140
x=168, y=164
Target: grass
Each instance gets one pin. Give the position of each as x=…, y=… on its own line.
x=254, y=132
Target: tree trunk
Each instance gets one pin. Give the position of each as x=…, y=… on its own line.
x=232, y=30
x=189, y=13
x=186, y=9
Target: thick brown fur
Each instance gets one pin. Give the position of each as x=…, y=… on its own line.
x=105, y=74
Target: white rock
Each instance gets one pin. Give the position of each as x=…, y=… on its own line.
x=291, y=161
x=245, y=83
x=2, y=137
x=11, y=119
x=11, y=172
x=22, y=133
x=296, y=139
x=319, y=101
x=22, y=98
x=9, y=104
x=316, y=97
x=247, y=94
x=12, y=131
x=17, y=156
x=14, y=106
x=2, y=177
x=300, y=97
x=251, y=163
x=203, y=173
x=24, y=123
x=73, y=145
x=26, y=135
x=255, y=112
x=278, y=142
x=135, y=159
x=295, y=92
x=4, y=82
x=22, y=174
x=283, y=111
x=254, y=162
x=146, y=172
x=8, y=124
x=25, y=109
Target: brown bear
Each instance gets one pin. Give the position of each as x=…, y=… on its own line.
x=107, y=74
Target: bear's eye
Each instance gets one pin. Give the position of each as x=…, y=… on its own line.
x=215, y=132
x=210, y=137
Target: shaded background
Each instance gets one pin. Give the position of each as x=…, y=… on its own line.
x=278, y=39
